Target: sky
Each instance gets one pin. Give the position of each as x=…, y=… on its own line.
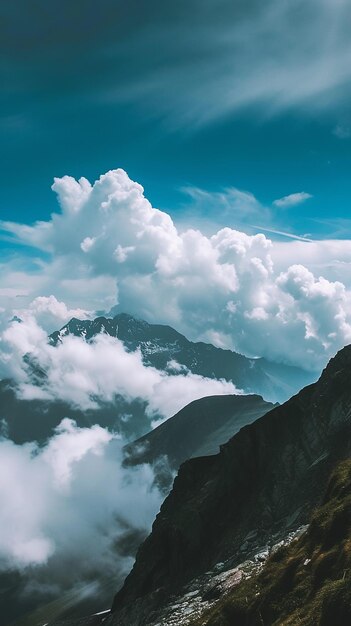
x=204, y=94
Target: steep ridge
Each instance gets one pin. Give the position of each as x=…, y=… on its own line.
x=265, y=480
x=166, y=349
x=197, y=430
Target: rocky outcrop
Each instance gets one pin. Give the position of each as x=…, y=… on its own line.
x=266, y=479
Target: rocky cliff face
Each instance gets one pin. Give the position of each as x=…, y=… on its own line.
x=264, y=481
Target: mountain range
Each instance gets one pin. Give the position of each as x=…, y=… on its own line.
x=161, y=345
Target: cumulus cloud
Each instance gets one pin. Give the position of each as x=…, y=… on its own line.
x=65, y=496
x=50, y=313
x=87, y=374
x=292, y=200
x=225, y=287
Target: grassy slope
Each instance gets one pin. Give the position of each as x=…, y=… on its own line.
x=305, y=584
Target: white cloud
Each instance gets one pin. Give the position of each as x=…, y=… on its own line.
x=86, y=374
x=224, y=287
x=292, y=200
x=271, y=57
x=70, y=494
x=50, y=313
x=231, y=202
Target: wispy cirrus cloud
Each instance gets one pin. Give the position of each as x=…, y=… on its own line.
x=218, y=58
x=292, y=200
x=284, y=233
x=280, y=56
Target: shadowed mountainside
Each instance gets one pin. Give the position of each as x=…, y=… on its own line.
x=197, y=430
x=305, y=583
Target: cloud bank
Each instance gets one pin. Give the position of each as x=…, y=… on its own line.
x=88, y=374
x=243, y=292
x=70, y=494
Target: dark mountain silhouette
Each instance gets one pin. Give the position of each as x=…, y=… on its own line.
x=197, y=430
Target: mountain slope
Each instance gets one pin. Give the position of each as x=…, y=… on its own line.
x=162, y=345
x=197, y=430
x=305, y=583
x=265, y=480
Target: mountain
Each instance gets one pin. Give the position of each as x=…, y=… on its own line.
x=264, y=482
x=197, y=430
x=161, y=346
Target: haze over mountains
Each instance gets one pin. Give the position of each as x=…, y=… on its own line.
x=197, y=430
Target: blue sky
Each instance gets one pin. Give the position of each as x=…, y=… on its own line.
x=209, y=95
